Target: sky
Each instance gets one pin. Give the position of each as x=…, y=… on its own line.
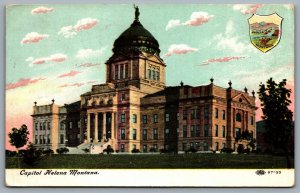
x=59, y=51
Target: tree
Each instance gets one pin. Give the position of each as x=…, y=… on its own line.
x=18, y=138
x=278, y=118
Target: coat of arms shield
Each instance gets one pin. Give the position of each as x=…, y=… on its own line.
x=265, y=31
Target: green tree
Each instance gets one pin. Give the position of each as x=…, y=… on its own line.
x=18, y=138
x=278, y=118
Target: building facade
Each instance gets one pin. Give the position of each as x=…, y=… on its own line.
x=135, y=109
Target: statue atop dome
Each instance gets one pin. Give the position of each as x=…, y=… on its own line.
x=137, y=12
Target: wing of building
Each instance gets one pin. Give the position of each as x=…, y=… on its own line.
x=135, y=109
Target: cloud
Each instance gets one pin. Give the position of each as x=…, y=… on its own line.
x=88, y=65
x=41, y=10
x=92, y=81
x=23, y=82
x=87, y=53
x=33, y=37
x=82, y=24
x=70, y=85
x=224, y=59
x=180, y=49
x=247, y=8
x=29, y=59
x=196, y=19
x=227, y=41
x=71, y=73
x=53, y=58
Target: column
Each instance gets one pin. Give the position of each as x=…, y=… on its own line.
x=88, y=128
x=96, y=128
x=104, y=126
x=112, y=125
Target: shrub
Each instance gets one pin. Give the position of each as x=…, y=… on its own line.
x=247, y=151
x=108, y=150
x=152, y=150
x=62, y=150
x=191, y=150
x=240, y=148
x=86, y=150
x=31, y=155
x=48, y=152
x=134, y=150
x=227, y=150
x=9, y=153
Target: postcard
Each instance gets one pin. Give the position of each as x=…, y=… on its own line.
x=150, y=95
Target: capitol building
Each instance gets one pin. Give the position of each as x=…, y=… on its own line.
x=135, y=109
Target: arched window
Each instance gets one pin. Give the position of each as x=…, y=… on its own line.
x=238, y=117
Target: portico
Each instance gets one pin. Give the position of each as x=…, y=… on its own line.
x=100, y=126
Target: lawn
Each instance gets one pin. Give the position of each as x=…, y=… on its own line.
x=134, y=161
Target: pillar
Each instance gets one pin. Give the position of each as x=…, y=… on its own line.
x=88, y=136
x=104, y=126
x=112, y=125
x=96, y=128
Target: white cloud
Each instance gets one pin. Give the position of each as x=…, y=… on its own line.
x=180, y=49
x=247, y=8
x=41, y=10
x=196, y=19
x=87, y=53
x=53, y=58
x=33, y=37
x=29, y=59
x=82, y=24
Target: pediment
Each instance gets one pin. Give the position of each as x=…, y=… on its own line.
x=241, y=98
x=154, y=58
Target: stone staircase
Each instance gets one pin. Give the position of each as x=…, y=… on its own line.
x=93, y=148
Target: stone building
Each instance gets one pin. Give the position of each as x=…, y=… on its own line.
x=49, y=126
x=134, y=109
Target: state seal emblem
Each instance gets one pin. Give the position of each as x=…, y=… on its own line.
x=265, y=31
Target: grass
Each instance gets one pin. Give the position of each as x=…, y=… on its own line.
x=151, y=161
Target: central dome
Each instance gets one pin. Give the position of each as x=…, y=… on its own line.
x=136, y=38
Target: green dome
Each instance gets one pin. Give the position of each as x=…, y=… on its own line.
x=136, y=38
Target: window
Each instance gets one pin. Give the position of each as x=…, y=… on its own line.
x=252, y=120
x=205, y=130
x=134, y=134
x=197, y=130
x=223, y=115
x=41, y=126
x=126, y=71
x=216, y=113
x=123, y=97
x=184, y=147
x=144, y=148
x=237, y=132
x=166, y=132
x=205, y=112
x=40, y=138
x=70, y=125
x=192, y=131
x=184, y=115
x=167, y=117
x=79, y=124
x=62, y=139
x=145, y=119
x=184, y=131
x=36, y=126
x=122, y=133
x=216, y=130
x=205, y=146
x=48, y=139
x=44, y=140
x=193, y=113
x=149, y=74
x=155, y=147
x=49, y=126
x=192, y=145
x=121, y=71
x=134, y=118
x=216, y=146
x=145, y=134
x=223, y=131
x=238, y=117
x=155, y=118
x=153, y=74
x=198, y=114
x=157, y=76
x=223, y=145
x=116, y=72
x=122, y=118
x=178, y=116
x=44, y=126
x=36, y=139
x=62, y=126
x=122, y=148
x=155, y=134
